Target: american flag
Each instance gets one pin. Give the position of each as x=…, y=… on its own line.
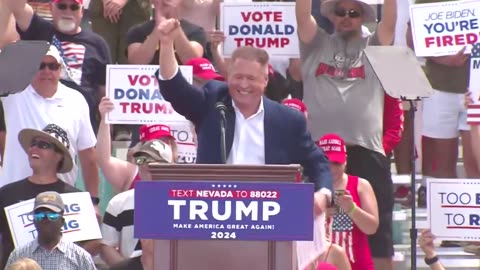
x=473, y=111
x=340, y=232
x=73, y=55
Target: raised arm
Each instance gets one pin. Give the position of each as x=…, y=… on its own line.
x=386, y=28
x=118, y=172
x=185, y=98
x=216, y=38
x=7, y=25
x=22, y=11
x=307, y=25
x=188, y=49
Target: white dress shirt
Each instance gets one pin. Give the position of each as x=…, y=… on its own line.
x=248, y=145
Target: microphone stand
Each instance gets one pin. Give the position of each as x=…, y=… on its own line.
x=223, y=145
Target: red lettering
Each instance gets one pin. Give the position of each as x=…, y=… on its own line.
x=124, y=106
x=447, y=40
x=269, y=42
x=245, y=16
x=144, y=80
x=459, y=39
x=472, y=38
x=258, y=16
x=277, y=16
x=146, y=108
x=132, y=79
x=429, y=41
x=135, y=107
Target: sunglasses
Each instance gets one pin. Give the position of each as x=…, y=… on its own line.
x=51, y=66
x=73, y=7
x=143, y=160
x=46, y=215
x=42, y=144
x=341, y=12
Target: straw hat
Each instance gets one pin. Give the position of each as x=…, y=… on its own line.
x=328, y=6
x=58, y=137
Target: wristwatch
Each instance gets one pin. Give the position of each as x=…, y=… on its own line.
x=95, y=200
x=430, y=261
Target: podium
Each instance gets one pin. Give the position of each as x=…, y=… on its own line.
x=187, y=254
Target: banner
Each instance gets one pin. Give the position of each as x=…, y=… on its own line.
x=473, y=111
x=269, y=26
x=134, y=91
x=224, y=210
x=80, y=219
x=444, y=28
x=453, y=208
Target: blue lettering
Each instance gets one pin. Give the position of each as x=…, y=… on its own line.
x=119, y=93
x=474, y=219
x=232, y=30
x=71, y=224
x=476, y=65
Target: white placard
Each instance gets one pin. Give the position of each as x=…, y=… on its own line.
x=134, y=91
x=444, y=28
x=184, y=137
x=373, y=2
x=270, y=26
x=308, y=251
x=452, y=208
x=473, y=111
x=80, y=219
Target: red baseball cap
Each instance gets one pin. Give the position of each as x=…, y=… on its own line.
x=80, y=2
x=334, y=147
x=296, y=104
x=153, y=132
x=204, y=69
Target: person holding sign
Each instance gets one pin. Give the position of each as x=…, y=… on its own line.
x=444, y=116
x=258, y=130
x=339, y=84
x=123, y=174
x=48, y=152
x=49, y=249
x=355, y=215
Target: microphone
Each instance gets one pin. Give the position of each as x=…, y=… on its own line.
x=220, y=106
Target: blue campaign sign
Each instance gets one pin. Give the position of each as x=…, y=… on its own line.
x=223, y=210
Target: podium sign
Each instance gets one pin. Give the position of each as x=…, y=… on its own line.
x=215, y=210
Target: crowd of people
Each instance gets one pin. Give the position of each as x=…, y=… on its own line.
x=325, y=110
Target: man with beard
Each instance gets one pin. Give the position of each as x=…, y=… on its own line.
x=84, y=53
x=345, y=97
x=50, y=250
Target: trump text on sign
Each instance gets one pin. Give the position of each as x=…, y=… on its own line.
x=213, y=210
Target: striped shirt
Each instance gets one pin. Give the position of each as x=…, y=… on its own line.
x=65, y=255
x=117, y=227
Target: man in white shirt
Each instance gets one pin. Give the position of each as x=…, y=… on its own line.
x=43, y=102
x=258, y=130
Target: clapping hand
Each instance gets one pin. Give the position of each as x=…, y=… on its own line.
x=168, y=30
x=112, y=9
x=216, y=38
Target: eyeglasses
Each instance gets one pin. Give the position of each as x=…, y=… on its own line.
x=51, y=66
x=73, y=7
x=143, y=160
x=46, y=215
x=341, y=12
x=42, y=144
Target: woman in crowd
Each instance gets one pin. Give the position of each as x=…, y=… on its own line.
x=355, y=215
x=123, y=174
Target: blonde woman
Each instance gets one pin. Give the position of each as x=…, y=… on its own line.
x=24, y=264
